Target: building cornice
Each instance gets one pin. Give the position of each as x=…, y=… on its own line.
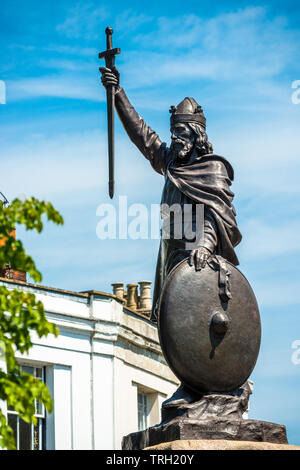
x=114, y=330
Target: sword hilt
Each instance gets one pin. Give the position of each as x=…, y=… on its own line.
x=110, y=53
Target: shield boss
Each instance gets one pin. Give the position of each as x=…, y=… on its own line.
x=210, y=345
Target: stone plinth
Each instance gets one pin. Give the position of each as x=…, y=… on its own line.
x=211, y=429
x=220, y=445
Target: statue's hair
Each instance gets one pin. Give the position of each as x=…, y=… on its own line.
x=202, y=143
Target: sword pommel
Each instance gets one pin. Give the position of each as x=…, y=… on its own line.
x=109, y=32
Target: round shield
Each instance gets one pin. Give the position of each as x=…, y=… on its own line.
x=210, y=345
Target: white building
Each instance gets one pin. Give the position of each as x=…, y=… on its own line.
x=105, y=371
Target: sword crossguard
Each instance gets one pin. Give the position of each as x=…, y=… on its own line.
x=109, y=53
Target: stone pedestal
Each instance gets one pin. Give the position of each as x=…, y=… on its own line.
x=214, y=416
x=220, y=445
x=212, y=429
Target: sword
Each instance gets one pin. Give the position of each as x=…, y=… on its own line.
x=109, y=56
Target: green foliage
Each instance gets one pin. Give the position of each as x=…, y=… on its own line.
x=21, y=314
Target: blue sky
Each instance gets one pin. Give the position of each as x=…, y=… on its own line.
x=238, y=60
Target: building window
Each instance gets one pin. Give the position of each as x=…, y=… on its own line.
x=27, y=435
x=143, y=411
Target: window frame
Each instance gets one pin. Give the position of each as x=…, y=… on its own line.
x=145, y=409
x=41, y=417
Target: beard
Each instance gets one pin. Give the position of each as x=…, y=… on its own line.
x=181, y=149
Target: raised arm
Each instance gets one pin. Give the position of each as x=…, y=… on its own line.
x=146, y=140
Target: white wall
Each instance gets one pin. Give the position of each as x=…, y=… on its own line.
x=94, y=368
x=128, y=379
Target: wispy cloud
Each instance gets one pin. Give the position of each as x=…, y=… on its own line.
x=63, y=49
x=75, y=162
x=83, y=88
x=241, y=32
x=62, y=65
x=83, y=21
x=65, y=163
x=265, y=155
x=232, y=58
x=262, y=240
x=128, y=21
x=234, y=46
x=70, y=50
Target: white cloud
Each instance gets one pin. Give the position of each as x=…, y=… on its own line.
x=58, y=48
x=83, y=88
x=128, y=21
x=236, y=46
x=233, y=59
x=74, y=163
x=82, y=21
x=277, y=293
x=69, y=50
x=262, y=240
x=66, y=64
x=46, y=166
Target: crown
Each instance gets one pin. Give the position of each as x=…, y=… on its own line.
x=188, y=110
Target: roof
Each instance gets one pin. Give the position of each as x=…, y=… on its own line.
x=83, y=294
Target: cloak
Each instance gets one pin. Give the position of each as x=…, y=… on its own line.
x=206, y=180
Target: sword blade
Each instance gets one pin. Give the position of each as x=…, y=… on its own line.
x=111, y=140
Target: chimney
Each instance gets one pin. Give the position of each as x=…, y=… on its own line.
x=145, y=295
x=140, y=302
x=132, y=296
x=118, y=289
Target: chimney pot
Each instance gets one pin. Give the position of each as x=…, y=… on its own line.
x=118, y=289
x=145, y=295
x=132, y=296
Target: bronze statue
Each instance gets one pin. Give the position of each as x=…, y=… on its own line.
x=207, y=314
x=193, y=175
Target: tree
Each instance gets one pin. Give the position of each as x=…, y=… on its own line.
x=21, y=314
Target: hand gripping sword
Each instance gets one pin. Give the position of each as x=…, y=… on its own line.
x=109, y=56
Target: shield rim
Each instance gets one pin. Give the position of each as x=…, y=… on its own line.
x=167, y=280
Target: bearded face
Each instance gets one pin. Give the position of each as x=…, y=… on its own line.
x=183, y=139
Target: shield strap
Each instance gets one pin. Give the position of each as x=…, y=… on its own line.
x=220, y=264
